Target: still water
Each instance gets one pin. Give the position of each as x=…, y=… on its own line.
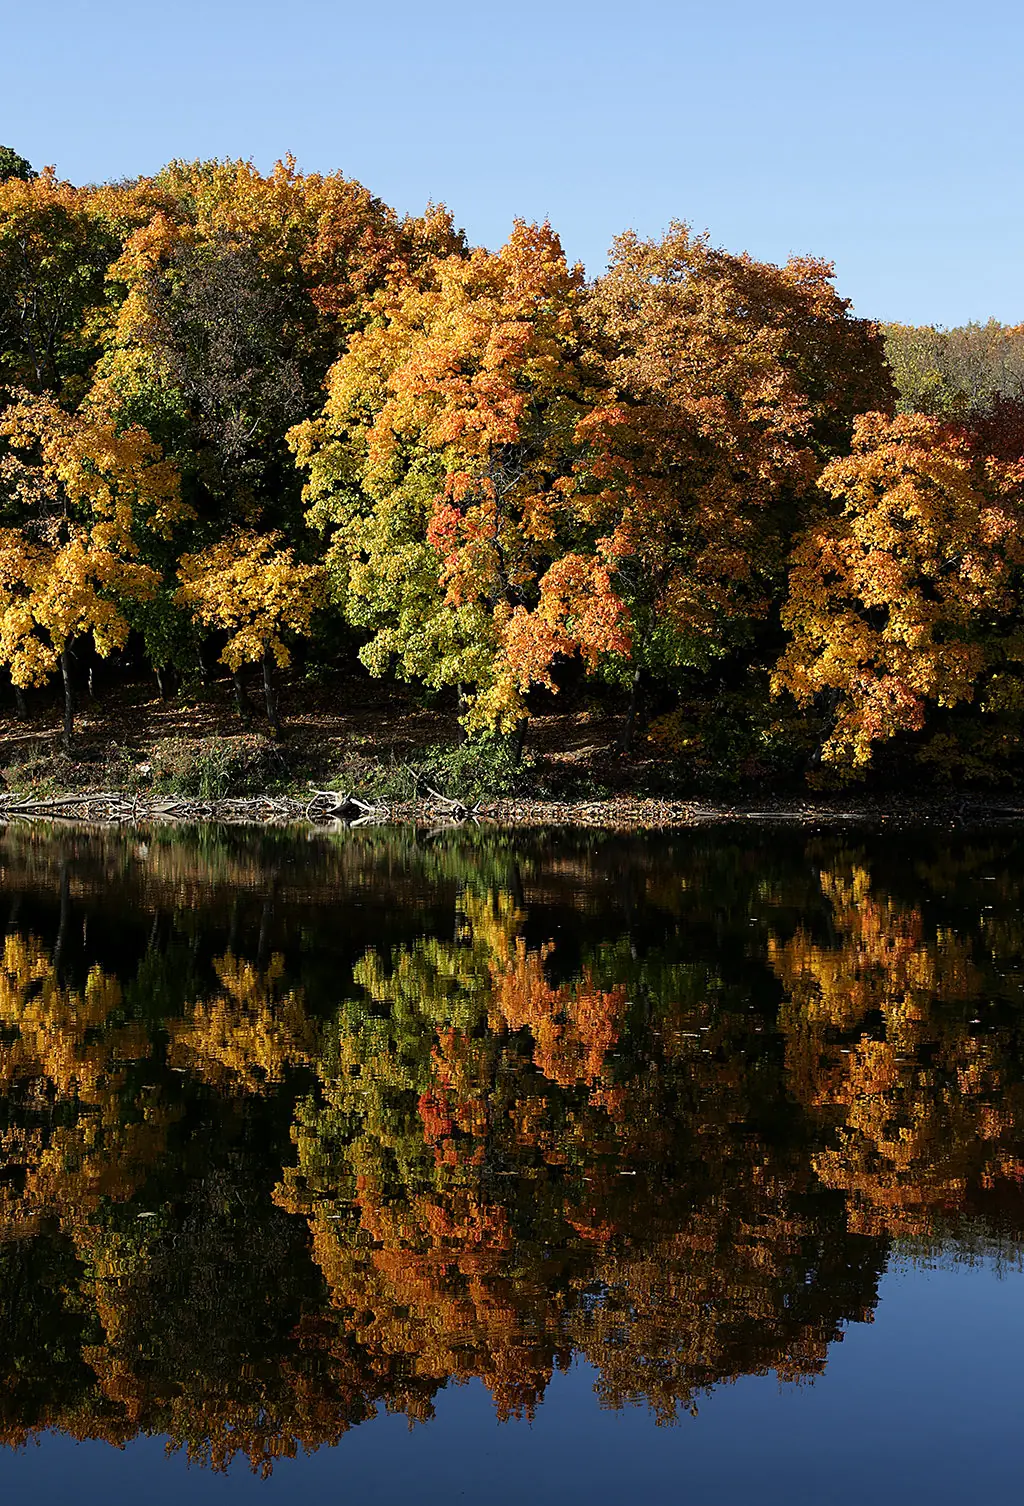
x=556, y=1167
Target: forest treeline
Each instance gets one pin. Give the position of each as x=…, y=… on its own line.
x=247, y=417
x=265, y=1173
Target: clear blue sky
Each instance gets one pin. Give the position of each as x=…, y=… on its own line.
x=886, y=136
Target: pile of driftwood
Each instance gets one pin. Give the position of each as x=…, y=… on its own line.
x=116, y=807
x=330, y=806
x=325, y=807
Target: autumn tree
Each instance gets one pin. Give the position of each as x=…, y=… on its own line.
x=231, y=294
x=445, y=471
x=879, y=1015
x=77, y=491
x=955, y=373
x=54, y=252
x=257, y=593
x=903, y=595
x=731, y=381
x=71, y=1047
x=240, y=288
x=249, y=1032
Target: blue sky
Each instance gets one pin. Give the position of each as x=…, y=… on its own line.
x=885, y=136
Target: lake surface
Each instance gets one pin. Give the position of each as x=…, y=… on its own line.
x=382, y=1166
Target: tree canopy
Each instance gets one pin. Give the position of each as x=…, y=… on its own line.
x=789, y=530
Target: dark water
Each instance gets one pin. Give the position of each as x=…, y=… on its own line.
x=558, y=1168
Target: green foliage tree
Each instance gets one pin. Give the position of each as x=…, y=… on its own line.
x=13, y=165
x=55, y=248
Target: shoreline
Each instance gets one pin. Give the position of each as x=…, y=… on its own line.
x=336, y=810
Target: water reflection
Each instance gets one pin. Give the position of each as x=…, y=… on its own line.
x=294, y=1130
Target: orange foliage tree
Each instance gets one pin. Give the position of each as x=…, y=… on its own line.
x=731, y=380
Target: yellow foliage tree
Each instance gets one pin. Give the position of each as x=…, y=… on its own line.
x=71, y=1047
x=78, y=486
x=256, y=592
x=893, y=597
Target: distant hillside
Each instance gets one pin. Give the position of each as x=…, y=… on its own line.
x=954, y=373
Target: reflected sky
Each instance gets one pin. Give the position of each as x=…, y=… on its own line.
x=924, y=1405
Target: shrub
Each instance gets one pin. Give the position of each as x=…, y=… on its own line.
x=483, y=769
x=215, y=767
x=734, y=739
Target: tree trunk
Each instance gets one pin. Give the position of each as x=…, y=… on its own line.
x=161, y=683
x=462, y=736
x=19, y=704
x=270, y=693
x=632, y=713
x=69, y=701
x=241, y=699
x=518, y=741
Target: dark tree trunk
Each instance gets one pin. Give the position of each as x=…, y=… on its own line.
x=69, y=700
x=266, y=919
x=166, y=680
x=19, y=703
x=518, y=741
x=632, y=713
x=241, y=699
x=270, y=692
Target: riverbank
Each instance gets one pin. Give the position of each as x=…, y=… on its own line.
x=619, y=813
x=340, y=731
x=398, y=757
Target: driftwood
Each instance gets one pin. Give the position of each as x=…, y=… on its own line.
x=456, y=810
x=328, y=805
x=453, y=810
x=430, y=808
x=114, y=807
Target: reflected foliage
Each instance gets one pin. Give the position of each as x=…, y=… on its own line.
x=298, y=1129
